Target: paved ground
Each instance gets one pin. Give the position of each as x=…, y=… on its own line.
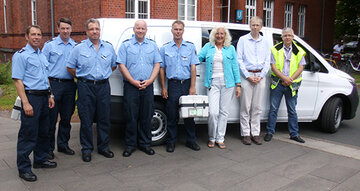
x=278, y=165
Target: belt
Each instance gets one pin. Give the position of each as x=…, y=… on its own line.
x=254, y=71
x=38, y=92
x=178, y=81
x=93, y=81
x=61, y=80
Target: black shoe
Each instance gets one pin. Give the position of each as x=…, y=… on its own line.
x=86, y=157
x=268, y=137
x=147, y=150
x=297, y=139
x=107, y=153
x=51, y=155
x=28, y=176
x=170, y=147
x=46, y=164
x=66, y=150
x=193, y=146
x=128, y=152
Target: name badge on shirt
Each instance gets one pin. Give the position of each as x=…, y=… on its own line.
x=184, y=58
x=103, y=57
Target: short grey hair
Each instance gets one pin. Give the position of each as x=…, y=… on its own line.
x=91, y=20
x=256, y=18
x=228, y=37
x=287, y=29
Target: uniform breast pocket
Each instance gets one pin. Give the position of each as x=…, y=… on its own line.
x=84, y=60
x=170, y=58
x=33, y=66
x=54, y=57
x=106, y=58
x=186, y=58
x=133, y=56
x=149, y=54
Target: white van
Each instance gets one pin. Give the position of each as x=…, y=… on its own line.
x=326, y=94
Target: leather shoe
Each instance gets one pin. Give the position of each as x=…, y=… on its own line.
x=147, y=150
x=268, y=137
x=297, y=139
x=256, y=140
x=46, y=164
x=28, y=176
x=193, y=146
x=170, y=147
x=66, y=150
x=51, y=155
x=107, y=153
x=86, y=157
x=246, y=140
x=128, y=152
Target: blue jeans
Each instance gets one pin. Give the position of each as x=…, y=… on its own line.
x=291, y=101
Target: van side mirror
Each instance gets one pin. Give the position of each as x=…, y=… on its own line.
x=314, y=67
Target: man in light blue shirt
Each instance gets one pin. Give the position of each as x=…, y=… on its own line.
x=253, y=53
x=92, y=62
x=179, y=65
x=30, y=75
x=63, y=86
x=139, y=61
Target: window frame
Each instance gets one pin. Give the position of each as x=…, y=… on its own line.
x=288, y=15
x=33, y=12
x=301, y=20
x=5, y=21
x=135, y=13
x=268, y=22
x=186, y=5
x=250, y=10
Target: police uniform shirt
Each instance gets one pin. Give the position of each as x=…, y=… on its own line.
x=31, y=67
x=91, y=64
x=177, y=61
x=57, y=52
x=139, y=58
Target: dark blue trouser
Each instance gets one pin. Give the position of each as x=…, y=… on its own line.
x=64, y=93
x=138, y=105
x=94, y=101
x=175, y=90
x=33, y=133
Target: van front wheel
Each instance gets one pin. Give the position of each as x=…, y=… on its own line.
x=332, y=115
x=159, y=124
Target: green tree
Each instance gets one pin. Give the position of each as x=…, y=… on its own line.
x=347, y=19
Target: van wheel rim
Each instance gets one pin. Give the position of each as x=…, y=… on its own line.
x=158, y=123
x=338, y=116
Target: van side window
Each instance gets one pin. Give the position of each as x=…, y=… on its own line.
x=205, y=34
x=308, y=58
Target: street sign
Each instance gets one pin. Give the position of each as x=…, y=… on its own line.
x=239, y=14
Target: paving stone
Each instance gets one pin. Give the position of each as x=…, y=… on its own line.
x=221, y=179
x=13, y=185
x=334, y=172
x=98, y=182
x=309, y=183
x=253, y=167
x=187, y=186
x=3, y=165
x=4, y=138
x=351, y=184
x=284, y=154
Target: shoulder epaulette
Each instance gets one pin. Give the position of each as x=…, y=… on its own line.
x=279, y=46
x=79, y=43
x=22, y=50
x=107, y=42
x=166, y=43
x=189, y=42
x=151, y=39
x=125, y=40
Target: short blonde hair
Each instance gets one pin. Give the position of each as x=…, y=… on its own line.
x=228, y=37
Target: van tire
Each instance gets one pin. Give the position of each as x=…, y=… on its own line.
x=159, y=125
x=332, y=115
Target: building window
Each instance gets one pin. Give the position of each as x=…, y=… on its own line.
x=288, y=15
x=301, y=20
x=187, y=10
x=5, y=24
x=250, y=10
x=268, y=13
x=33, y=12
x=138, y=9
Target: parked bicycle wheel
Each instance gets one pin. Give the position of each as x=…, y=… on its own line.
x=344, y=66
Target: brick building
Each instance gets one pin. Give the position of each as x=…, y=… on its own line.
x=313, y=20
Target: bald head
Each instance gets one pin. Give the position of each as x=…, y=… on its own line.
x=140, y=29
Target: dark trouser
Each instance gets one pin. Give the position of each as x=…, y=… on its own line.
x=64, y=93
x=94, y=101
x=138, y=105
x=33, y=133
x=175, y=90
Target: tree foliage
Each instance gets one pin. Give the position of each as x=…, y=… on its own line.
x=347, y=19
